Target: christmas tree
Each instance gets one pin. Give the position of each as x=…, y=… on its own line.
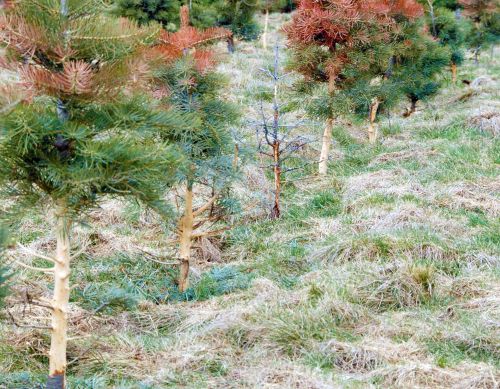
x=188, y=84
x=345, y=44
x=446, y=24
x=485, y=16
x=236, y=15
x=419, y=61
x=77, y=135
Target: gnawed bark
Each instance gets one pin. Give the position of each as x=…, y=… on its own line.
x=372, y=129
x=325, y=147
x=276, y=211
x=186, y=232
x=413, y=108
x=266, y=27
x=59, y=335
x=230, y=44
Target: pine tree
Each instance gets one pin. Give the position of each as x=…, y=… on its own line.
x=275, y=139
x=77, y=134
x=345, y=44
x=418, y=64
x=485, y=16
x=165, y=12
x=236, y=15
x=175, y=45
x=188, y=84
x=446, y=24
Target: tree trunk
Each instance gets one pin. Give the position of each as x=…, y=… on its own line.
x=236, y=156
x=325, y=147
x=266, y=27
x=413, y=107
x=230, y=45
x=276, y=211
x=372, y=129
x=59, y=337
x=454, y=72
x=186, y=229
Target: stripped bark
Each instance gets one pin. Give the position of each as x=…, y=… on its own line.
x=413, y=108
x=372, y=129
x=454, y=72
x=60, y=300
x=325, y=147
x=276, y=211
x=266, y=27
x=186, y=232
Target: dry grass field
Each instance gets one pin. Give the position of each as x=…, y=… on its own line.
x=384, y=274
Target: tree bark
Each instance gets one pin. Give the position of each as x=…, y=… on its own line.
x=413, y=108
x=186, y=229
x=266, y=27
x=454, y=73
x=276, y=211
x=372, y=129
x=325, y=147
x=236, y=156
x=230, y=45
x=59, y=336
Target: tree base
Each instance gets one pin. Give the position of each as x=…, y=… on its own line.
x=56, y=381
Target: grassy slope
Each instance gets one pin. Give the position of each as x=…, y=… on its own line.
x=384, y=274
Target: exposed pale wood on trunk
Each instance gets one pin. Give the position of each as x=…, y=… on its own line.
x=372, y=129
x=276, y=212
x=266, y=27
x=325, y=147
x=454, y=72
x=59, y=335
x=186, y=230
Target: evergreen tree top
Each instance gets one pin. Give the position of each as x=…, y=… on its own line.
x=81, y=136
x=330, y=38
x=72, y=49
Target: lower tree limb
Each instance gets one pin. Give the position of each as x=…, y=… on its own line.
x=372, y=130
x=59, y=335
x=325, y=147
x=186, y=228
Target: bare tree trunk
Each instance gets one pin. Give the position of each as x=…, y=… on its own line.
x=186, y=229
x=476, y=56
x=372, y=129
x=266, y=27
x=230, y=45
x=454, y=72
x=236, y=156
x=276, y=212
x=325, y=147
x=59, y=337
x=413, y=108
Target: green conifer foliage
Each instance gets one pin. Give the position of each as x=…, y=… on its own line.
x=349, y=45
x=145, y=11
x=446, y=24
x=419, y=60
x=195, y=91
x=78, y=135
x=485, y=17
x=236, y=15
